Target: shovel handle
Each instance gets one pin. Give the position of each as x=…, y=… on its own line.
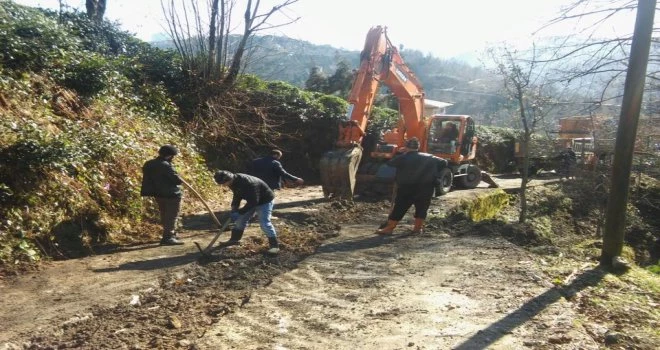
x=217, y=222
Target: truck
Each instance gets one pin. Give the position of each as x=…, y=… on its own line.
x=576, y=132
x=344, y=168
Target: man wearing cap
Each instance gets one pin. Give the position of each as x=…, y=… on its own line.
x=416, y=173
x=271, y=171
x=161, y=181
x=258, y=199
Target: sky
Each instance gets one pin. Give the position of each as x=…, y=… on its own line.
x=443, y=28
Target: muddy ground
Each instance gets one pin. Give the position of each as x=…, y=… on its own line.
x=335, y=285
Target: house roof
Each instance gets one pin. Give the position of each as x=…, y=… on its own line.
x=436, y=104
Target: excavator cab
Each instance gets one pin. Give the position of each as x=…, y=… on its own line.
x=453, y=137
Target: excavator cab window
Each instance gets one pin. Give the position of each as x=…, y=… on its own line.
x=443, y=136
x=466, y=145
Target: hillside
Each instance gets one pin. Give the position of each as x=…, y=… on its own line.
x=84, y=105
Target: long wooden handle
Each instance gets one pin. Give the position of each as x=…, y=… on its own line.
x=217, y=222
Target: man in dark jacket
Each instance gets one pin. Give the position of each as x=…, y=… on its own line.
x=258, y=199
x=161, y=181
x=270, y=170
x=568, y=163
x=416, y=174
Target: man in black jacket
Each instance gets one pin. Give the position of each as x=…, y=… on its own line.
x=258, y=199
x=270, y=170
x=568, y=163
x=161, y=181
x=416, y=174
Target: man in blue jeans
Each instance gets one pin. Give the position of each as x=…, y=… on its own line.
x=258, y=199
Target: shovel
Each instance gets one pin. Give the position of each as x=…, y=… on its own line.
x=222, y=227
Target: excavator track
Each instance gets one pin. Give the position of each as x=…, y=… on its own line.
x=338, y=169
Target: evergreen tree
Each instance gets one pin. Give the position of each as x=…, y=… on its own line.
x=340, y=82
x=317, y=80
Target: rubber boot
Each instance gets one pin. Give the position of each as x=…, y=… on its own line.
x=170, y=240
x=388, y=229
x=236, y=235
x=273, y=245
x=418, y=227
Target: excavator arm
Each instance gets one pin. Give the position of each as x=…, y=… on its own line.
x=380, y=63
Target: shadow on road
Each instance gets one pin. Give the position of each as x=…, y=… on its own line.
x=203, y=221
x=357, y=243
x=302, y=203
x=154, y=264
x=116, y=248
x=486, y=337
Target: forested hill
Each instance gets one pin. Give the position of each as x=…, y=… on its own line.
x=291, y=60
x=286, y=59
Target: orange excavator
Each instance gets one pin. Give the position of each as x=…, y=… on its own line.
x=451, y=137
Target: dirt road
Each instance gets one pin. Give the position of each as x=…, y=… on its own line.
x=358, y=290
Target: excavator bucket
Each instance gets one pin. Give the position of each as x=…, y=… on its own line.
x=338, y=169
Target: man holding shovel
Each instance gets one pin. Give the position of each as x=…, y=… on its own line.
x=161, y=181
x=258, y=199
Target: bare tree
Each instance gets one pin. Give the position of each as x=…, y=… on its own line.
x=524, y=83
x=254, y=21
x=95, y=9
x=205, y=48
x=590, y=56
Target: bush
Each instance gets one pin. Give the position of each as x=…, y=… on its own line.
x=69, y=173
x=268, y=115
x=88, y=76
x=31, y=40
x=105, y=38
x=495, y=149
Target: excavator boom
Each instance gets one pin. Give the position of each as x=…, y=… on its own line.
x=380, y=63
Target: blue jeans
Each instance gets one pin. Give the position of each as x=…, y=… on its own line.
x=263, y=211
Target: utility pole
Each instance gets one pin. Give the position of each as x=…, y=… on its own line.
x=626, y=133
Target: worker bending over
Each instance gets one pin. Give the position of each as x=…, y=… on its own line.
x=258, y=199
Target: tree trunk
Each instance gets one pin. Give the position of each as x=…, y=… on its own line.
x=222, y=40
x=235, y=67
x=525, y=178
x=211, y=62
x=525, y=174
x=626, y=133
x=95, y=9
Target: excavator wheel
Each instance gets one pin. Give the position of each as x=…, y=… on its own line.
x=338, y=169
x=472, y=177
x=445, y=180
